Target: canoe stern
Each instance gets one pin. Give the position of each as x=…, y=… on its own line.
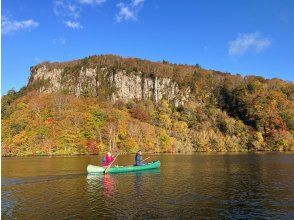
x=94, y=169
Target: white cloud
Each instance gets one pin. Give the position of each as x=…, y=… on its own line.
x=129, y=11
x=59, y=40
x=11, y=26
x=137, y=2
x=125, y=13
x=66, y=9
x=70, y=11
x=92, y=2
x=248, y=42
x=73, y=25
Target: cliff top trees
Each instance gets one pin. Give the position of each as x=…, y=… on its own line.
x=223, y=113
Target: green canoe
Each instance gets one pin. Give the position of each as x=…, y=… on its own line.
x=122, y=169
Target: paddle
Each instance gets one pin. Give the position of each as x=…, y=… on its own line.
x=145, y=159
x=107, y=169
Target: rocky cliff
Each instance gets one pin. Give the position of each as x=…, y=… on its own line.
x=217, y=111
x=112, y=84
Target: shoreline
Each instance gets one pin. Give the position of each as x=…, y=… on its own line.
x=184, y=154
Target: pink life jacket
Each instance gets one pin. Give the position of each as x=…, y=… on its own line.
x=107, y=161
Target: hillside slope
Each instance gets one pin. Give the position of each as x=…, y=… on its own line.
x=88, y=105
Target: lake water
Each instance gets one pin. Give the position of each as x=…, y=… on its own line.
x=221, y=186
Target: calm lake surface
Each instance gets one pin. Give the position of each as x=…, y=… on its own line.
x=186, y=186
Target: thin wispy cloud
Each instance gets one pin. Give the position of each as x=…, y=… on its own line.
x=37, y=60
x=129, y=11
x=66, y=9
x=92, y=2
x=10, y=26
x=248, y=42
x=125, y=13
x=73, y=25
x=69, y=11
x=137, y=2
x=59, y=41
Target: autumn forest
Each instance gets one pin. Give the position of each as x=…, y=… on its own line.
x=224, y=113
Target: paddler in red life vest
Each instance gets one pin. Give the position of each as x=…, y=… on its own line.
x=107, y=159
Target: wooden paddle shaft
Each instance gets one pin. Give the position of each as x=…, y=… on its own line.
x=145, y=159
x=106, y=170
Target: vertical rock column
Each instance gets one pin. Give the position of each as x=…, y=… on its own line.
x=155, y=90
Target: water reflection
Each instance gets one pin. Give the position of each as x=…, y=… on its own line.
x=107, y=182
x=104, y=181
x=8, y=204
x=138, y=184
x=124, y=191
x=185, y=187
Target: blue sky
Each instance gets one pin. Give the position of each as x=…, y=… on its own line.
x=236, y=36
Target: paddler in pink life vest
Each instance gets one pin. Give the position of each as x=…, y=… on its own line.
x=107, y=159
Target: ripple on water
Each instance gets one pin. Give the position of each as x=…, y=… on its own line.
x=190, y=186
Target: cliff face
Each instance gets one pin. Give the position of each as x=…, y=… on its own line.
x=224, y=112
x=107, y=83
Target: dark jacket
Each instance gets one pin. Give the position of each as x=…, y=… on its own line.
x=138, y=159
